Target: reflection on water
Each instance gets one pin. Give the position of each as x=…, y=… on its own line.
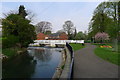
x=47, y=59
x=37, y=63
x=18, y=67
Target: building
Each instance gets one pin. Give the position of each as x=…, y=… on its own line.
x=41, y=36
x=54, y=36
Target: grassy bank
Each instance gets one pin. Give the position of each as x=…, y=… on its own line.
x=107, y=54
x=9, y=52
x=76, y=46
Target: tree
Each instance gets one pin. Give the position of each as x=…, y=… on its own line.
x=15, y=25
x=101, y=37
x=75, y=33
x=105, y=19
x=80, y=36
x=69, y=28
x=110, y=21
x=22, y=11
x=43, y=26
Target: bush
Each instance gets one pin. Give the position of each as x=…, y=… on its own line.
x=9, y=41
x=87, y=41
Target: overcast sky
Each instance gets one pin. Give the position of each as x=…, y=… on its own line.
x=57, y=13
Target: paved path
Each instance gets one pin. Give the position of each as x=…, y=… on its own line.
x=88, y=65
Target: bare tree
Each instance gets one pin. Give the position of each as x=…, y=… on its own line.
x=69, y=28
x=30, y=15
x=43, y=26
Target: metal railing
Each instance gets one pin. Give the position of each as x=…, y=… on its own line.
x=72, y=61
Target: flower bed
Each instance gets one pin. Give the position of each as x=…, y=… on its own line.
x=106, y=46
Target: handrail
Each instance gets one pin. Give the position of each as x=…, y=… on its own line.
x=72, y=61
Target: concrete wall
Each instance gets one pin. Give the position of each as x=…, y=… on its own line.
x=64, y=68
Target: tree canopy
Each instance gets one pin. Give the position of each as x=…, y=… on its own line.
x=80, y=36
x=69, y=28
x=43, y=27
x=19, y=28
x=105, y=19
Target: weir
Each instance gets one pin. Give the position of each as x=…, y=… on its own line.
x=54, y=42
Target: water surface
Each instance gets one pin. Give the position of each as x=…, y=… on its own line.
x=36, y=63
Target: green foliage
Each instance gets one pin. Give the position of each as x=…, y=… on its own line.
x=112, y=28
x=88, y=41
x=15, y=25
x=105, y=19
x=76, y=46
x=107, y=55
x=80, y=36
x=9, y=41
x=9, y=52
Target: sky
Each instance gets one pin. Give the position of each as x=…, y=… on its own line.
x=80, y=13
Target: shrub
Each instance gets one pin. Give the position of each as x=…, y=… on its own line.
x=9, y=41
x=87, y=41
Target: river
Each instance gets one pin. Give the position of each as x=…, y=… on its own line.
x=36, y=63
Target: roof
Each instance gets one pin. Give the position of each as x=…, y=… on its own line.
x=54, y=34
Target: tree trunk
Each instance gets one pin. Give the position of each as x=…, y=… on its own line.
x=115, y=45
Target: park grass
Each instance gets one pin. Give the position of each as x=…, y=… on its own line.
x=76, y=46
x=107, y=54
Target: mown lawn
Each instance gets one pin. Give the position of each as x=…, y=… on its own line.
x=108, y=55
x=76, y=46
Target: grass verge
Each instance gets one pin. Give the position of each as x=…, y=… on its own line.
x=107, y=54
x=76, y=46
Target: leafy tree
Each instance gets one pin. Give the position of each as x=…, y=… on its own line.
x=9, y=41
x=107, y=14
x=80, y=36
x=69, y=28
x=105, y=19
x=16, y=25
x=43, y=26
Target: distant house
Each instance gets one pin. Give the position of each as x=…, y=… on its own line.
x=58, y=36
x=55, y=36
x=41, y=36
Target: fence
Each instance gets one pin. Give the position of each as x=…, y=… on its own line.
x=72, y=61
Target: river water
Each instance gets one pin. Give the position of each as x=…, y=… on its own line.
x=36, y=63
